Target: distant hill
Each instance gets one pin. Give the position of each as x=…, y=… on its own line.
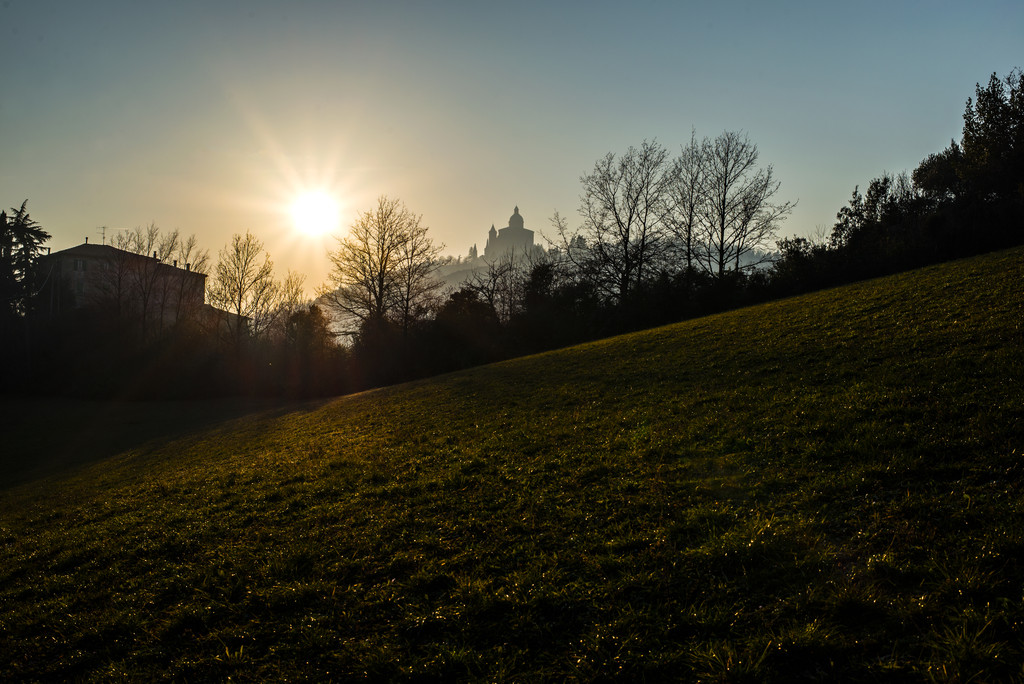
x=828, y=487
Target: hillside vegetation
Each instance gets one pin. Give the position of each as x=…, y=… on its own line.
x=826, y=487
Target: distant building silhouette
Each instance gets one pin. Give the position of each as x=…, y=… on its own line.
x=513, y=239
x=511, y=243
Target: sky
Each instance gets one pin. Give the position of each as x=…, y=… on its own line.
x=212, y=117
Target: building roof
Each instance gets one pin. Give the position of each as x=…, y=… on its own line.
x=91, y=251
x=515, y=220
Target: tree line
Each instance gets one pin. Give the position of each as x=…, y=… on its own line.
x=966, y=199
x=660, y=236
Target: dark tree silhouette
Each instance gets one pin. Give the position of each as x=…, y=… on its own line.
x=21, y=244
x=383, y=269
x=739, y=214
x=148, y=289
x=686, y=198
x=993, y=139
x=244, y=286
x=621, y=240
x=938, y=176
x=966, y=199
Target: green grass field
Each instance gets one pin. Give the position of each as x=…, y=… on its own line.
x=825, y=488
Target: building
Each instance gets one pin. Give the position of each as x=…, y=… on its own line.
x=513, y=240
x=512, y=244
x=156, y=293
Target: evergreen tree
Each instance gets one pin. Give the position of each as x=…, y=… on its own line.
x=993, y=139
x=21, y=243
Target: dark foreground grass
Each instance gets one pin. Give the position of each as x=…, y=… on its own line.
x=825, y=488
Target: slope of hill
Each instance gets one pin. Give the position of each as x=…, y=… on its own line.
x=827, y=486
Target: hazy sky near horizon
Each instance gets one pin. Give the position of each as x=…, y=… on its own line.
x=210, y=118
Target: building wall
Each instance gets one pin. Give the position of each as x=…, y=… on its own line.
x=89, y=276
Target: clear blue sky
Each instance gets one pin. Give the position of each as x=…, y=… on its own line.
x=211, y=119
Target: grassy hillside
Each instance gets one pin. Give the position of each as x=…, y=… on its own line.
x=825, y=487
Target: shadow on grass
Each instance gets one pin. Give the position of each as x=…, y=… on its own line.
x=46, y=437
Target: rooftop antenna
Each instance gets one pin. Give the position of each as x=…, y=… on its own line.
x=103, y=234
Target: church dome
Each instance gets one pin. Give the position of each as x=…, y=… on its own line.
x=515, y=220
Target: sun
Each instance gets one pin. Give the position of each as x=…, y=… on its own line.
x=315, y=213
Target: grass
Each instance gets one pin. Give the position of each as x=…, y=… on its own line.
x=823, y=488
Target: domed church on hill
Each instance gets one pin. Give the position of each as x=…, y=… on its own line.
x=513, y=239
x=513, y=243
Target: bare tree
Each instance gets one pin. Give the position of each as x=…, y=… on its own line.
x=189, y=258
x=151, y=276
x=291, y=298
x=162, y=281
x=292, y=295
x=244, y=286
x=114, y=286
x=383, y=269
x=623, y=208
x=686, y=194
x=141, y=273
x=501, y=285
x=416, y=287
x=738, y=215
x=142, y=279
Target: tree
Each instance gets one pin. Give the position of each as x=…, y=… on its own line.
x=801, y=265
x=149, y=279
x=465, y=332
x=860, y=224
x=148, y=289
x=555, y=308
x=739, y=215
x=244, y=286
x=306, y=329
x=493, y=287
x=191, y=258
x=21, y=244
x=993, y=138
x=686, y=192
x=382, y=270
x=307, y=358
x=289, y=301
x=623, y=207
x=938, y=175
x=416, y=287
x=502, y=284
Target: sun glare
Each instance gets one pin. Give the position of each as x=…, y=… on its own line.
x=315, y=213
